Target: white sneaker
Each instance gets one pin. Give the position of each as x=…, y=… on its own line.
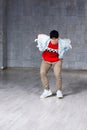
x=46, y=93
x=59, y=94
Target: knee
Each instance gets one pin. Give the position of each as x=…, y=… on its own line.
x=42, y=73
x=58, y=76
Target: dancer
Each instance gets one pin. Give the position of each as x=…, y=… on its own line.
x=53, y=48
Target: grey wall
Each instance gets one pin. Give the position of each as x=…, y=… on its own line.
x=27, y=18
x=3, y=44
x=1, y=15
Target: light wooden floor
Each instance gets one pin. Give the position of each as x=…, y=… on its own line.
x=22, y=109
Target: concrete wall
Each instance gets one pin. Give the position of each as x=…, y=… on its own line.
x=26, y=18
x=1, y=55
x=3, y=24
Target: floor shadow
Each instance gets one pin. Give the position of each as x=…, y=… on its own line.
x=75, y=88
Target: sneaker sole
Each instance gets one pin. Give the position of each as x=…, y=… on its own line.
x=47, y=96
x=59, y=97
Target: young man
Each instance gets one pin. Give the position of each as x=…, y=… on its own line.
x=52, y=49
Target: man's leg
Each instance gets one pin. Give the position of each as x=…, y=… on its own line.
x=43, y=73
x=58, y=74
x=57, y=67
